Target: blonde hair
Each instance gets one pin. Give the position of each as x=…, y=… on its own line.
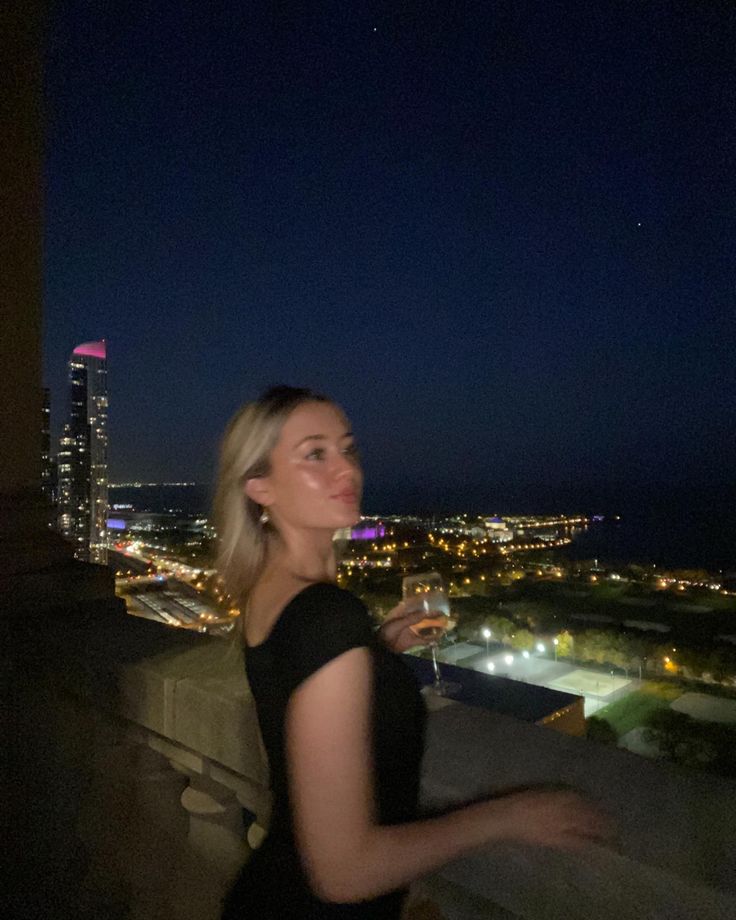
x=245, y=453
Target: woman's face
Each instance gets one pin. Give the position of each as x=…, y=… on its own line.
x=315, y=479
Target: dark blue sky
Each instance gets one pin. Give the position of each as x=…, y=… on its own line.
x=501, y=234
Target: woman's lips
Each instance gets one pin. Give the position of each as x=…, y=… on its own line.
x=349, y=496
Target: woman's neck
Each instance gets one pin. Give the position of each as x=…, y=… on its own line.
x=308, y=557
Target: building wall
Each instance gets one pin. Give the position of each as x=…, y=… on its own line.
x=569, y=721
x=21, y=233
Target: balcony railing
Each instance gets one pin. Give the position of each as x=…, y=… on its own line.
x=145, y=740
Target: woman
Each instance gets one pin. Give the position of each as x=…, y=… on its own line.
x=339, y=711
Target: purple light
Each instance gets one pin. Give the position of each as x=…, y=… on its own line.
x=366, y=532
x=115, y=524
x=92, y=350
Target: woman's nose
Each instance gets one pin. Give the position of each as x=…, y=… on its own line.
x=344, y=465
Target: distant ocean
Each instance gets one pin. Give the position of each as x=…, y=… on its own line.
x=667, y=533
x=679, y=529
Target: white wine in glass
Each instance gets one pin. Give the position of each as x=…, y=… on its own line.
x=427, y=592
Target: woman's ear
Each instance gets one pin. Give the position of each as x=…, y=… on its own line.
x=258, y=489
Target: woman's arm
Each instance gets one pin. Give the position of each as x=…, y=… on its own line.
x=348, y=856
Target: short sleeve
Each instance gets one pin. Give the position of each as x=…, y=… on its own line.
x=319, y=625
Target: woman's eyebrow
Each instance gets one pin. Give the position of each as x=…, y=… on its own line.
x=320, y=437
x=311, y=437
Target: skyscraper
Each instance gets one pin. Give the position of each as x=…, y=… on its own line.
x=48, y=464
x=82, y=462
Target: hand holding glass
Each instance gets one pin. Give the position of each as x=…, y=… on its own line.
x=427, y=592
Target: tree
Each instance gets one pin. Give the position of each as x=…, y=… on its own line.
x=681, y=738
x=564, y=644
x=501, y=627
x=667, y=729
x=594, y=645
x=598, y=729
x=717, y=665
x=522, y=640
x=528, y=613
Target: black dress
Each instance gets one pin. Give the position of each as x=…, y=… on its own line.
x=317, y=625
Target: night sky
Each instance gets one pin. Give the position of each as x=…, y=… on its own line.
x=502, y=235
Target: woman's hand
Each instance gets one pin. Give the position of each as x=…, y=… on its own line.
x=396, y=634
x=552, y=818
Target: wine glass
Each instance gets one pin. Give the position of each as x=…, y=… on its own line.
x=427, y=592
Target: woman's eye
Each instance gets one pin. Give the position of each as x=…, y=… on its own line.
x=316, y=454
x=351, y=450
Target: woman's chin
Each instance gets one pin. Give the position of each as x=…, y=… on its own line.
x=350, y=518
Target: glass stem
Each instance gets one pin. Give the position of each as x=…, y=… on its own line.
x=435, y=664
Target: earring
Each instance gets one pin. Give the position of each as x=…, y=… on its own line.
x=264, y=518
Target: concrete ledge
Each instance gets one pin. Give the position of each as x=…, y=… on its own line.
x=676, y=851
x=601, y=885
x=199, y=698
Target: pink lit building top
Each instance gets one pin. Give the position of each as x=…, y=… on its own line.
x=92, y=350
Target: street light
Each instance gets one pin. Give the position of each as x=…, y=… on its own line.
x=540, y=648
x=525, y=654
x=491, y=666
x=487, y=636
x=509, y=659
x=555, y=642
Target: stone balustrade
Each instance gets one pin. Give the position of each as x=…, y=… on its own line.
x=178, y=705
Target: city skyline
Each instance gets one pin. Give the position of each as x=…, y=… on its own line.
x=82, y=455
x=501, y=238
